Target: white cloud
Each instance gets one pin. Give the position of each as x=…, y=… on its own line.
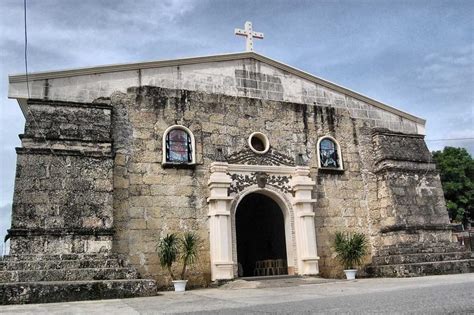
x=448, y=73
x=90, y=33
x=171, y=9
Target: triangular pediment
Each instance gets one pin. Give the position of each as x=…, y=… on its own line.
x=245, y=74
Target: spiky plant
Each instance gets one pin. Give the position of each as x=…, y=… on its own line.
x=350, y=248
x=189, y=249
x=168, y=252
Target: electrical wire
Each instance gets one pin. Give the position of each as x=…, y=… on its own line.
x=450, y=139
x=26, y=49
x=30, y=113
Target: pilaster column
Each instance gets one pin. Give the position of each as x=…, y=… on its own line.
x=305, y=233
x=220, y=233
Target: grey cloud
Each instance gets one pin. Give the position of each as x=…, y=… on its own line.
x=416, y=56
x=449, y=72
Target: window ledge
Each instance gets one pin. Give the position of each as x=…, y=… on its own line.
x=179, y=165
x=329, y=170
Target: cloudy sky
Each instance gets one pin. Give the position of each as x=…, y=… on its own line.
x=416, y=55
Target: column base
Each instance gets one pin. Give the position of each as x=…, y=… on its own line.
x=310, y=267
x=223, y=271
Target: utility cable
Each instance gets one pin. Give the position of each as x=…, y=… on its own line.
x=30, y=113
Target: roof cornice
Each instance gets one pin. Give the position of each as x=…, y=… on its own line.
x=128, y=67
x=208, y=59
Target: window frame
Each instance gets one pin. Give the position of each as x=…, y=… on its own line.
x=339, y=154
x=263, y=138
x=192, y=144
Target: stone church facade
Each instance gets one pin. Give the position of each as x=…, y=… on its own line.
x=261, y=160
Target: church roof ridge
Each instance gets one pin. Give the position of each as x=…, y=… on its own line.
x=211, y=58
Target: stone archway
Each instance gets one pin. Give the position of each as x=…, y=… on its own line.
x=260, y=237
x=300, y=232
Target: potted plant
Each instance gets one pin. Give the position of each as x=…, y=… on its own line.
x=350, y=249
x=171, y=248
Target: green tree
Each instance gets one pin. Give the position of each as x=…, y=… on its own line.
x=456, y=168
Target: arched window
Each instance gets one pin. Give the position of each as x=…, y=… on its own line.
x=178, y=146
x=329, y=154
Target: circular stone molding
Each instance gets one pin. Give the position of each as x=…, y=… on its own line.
x=258, y=143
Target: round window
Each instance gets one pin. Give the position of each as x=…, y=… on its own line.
x=258, y=143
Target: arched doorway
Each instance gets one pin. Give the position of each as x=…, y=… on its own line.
x=260, y=232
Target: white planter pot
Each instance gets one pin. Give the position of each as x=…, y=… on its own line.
x=350, y=274
x=179, y=285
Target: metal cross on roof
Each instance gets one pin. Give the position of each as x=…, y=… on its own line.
x=249, y=33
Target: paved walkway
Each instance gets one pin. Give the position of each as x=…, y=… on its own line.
x=434, y=294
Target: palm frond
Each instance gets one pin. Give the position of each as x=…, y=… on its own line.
x=168, y=251
x=350, y=248
x=189, y=250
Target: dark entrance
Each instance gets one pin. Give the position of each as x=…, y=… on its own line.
x=260, y=229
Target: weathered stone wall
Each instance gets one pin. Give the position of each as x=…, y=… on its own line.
x=68, y=121
x=411, y=209
x=342, y=196
x=63, y=187
x=151, y=200
x=73, y=187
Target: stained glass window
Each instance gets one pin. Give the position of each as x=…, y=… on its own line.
x=328, y=154
x=178, y=146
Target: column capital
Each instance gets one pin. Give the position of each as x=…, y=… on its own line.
x=301, y=179
x=219, y=177
x=302, y=170
x=219, y=167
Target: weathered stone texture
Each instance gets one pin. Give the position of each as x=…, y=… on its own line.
x=412, y=233
x=150, y=200
x=63, y=187
x=65, y=291
x=387, y=189
x=399, y=147
x=45, y=278
x=62, y=204
x=62, y=218
x=410, y=191
x=62, y=191
x=65, y=120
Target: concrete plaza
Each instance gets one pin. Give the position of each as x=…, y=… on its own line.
x=428, y=295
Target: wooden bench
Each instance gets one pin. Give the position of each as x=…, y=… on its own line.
x=270, y=267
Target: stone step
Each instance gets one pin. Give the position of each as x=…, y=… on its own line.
x=422, y=269
x=66, y=291
x=59, y=264
x=403, y=250
x=419, y=257
x=43, y=257
x=68, y=274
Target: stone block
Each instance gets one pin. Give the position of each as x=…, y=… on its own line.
x=136, y=213
x=136, y=224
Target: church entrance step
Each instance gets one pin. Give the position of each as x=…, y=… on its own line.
x=65, y=291
x=67, y=274
x=422, y=268
x=257, y=278
x=419, y=257
x=59, y=264
x=406, y=250
x=44, y=257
